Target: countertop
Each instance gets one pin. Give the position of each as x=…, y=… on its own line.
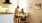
x=5, y=13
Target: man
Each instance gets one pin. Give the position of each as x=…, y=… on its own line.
x=16, y=12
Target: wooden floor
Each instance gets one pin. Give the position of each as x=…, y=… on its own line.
x=19, y=20
x=16, y=21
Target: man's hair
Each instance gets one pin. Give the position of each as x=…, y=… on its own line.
x=17, y=6
x=22, y=8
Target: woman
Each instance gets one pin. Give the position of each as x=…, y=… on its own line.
x=21, y=12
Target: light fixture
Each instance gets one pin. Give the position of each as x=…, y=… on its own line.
x=7, y=2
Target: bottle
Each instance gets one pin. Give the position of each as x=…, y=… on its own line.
x=6, y=10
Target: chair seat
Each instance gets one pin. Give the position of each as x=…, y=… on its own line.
x=23, y=19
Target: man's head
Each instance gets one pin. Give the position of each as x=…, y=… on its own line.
x=22, y=9
x=17, y=6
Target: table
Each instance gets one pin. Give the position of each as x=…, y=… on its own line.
x=20, y=16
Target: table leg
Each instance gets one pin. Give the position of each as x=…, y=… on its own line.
x=18, y=19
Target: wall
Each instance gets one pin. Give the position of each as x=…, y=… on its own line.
x=35, y=16
x=20, y=3
x=3, y=5
x=13, y=5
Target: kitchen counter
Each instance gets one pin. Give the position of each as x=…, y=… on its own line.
x=5, y=13
x=6, y=18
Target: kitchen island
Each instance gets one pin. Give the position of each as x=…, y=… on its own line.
x=6, y=17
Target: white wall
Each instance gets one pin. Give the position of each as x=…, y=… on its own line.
x=15, y=3
x=35, y=15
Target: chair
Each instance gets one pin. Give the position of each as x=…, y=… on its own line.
x=16, y=19
x=23, y=20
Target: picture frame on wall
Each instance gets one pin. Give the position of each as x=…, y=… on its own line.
x=38, y=6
